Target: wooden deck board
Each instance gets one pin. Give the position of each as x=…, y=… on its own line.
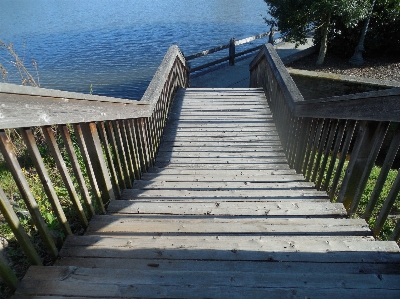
x=239, y=208
x=221, y=215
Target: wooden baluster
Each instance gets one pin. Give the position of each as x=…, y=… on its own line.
x=329, y=143
x=290, y=131
x=387, y=206
x=311, y=136
x=305, y=127
x=390, y=156
x=89, y=168
x=375, y=148
x=7, y=273
x=157, y=126
x=120, y=169
x=128, y=152
x=395, y=236
x=322, y=143
x=296, y=136
x=147, y=125
x=33, y=150
x=346, y=145
x=109, y=156
x=96, y=156
x=140, y=141
x=66, y=136
x=134, y=148
x=7, y=150
x=122, y=153
x=62, y=169
x=315, y=144
x=338, y=142
x=363, y=156
x=232, y=51
x=22, y=237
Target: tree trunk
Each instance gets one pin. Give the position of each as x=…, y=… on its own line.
x=324, y=40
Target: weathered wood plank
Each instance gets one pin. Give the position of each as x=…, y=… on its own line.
x=179, y=284
x=224, y=218
x=229, y=195
x=221, y=173
x=194, y=207
x=137, y=265
x=246, y=185
x=233, y=293
x=240, y=176
x=219, y=247
x=173, y=225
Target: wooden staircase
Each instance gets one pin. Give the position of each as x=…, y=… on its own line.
x=221, y=215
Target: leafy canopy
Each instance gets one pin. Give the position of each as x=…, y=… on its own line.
x=295, y=18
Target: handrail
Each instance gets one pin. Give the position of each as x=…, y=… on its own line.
x=116, y=139
x=319, y=135
x=232, y=51
x=375, y=105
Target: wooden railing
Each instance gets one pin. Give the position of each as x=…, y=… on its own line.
x=116, y=139
x=231, y=46
x=327, y=137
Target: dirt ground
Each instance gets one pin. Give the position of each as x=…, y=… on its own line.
x=383, y=68
x=311, y=88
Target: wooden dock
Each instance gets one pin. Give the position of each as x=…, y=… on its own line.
x=221, y=215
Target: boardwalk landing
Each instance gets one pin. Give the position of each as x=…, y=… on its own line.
x=221, y=215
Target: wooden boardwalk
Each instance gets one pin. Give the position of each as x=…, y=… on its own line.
x=221, y=215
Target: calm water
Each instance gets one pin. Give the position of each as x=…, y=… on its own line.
x=116, y=45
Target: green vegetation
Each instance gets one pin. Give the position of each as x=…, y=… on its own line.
x=338, y=24
x=13, y=251
x=25, y=76
x=366, y=196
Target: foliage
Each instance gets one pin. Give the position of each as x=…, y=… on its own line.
x=383, y=36
x=296, y=18
x=24, y=74
x=366, y=195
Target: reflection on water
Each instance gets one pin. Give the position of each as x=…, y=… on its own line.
x=116, y=45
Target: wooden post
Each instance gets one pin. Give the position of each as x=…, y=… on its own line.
x=363, y=155
x=232, y=51
x=98, y=162
x=7, y=150
x=7, y=273
x=16, y=227
x=89, y=167
x=69, y=147
x=109, y=156
x=31, y=145
x=63, y=171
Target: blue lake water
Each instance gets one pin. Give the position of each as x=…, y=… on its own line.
x=115, y=46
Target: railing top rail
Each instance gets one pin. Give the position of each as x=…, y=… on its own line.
x=291, y=92
x=251, y=38
x=7, y=88
x=22, y=106
x=381, y=105
x=226, y=46
x=155, y=88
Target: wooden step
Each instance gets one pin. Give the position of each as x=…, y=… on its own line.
x=235, y=248
x=123, y=283
x=136, y=225
x=239, y=208
x=221, y=215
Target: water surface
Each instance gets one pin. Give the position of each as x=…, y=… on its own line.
x=115, y=46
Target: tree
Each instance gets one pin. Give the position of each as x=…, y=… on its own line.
x=296, y=18
x=382, y=39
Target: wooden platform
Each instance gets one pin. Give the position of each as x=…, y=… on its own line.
x=221, y=215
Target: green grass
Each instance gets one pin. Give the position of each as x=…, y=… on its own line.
x=13, y=251
x=366, y=196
